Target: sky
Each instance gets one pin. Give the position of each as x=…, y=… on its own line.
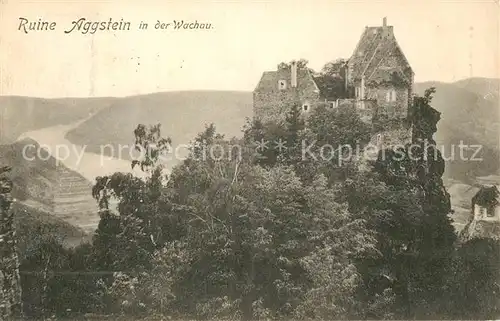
x=442, y=40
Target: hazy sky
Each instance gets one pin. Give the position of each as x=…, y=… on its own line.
x=443, y=41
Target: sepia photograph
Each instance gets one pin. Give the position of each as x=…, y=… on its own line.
x=249, y=160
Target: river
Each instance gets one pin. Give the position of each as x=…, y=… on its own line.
x=75, y=157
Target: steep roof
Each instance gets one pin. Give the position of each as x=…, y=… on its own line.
x=330, y=87
x=487, y=196
x=267, y=80
x=376, y=45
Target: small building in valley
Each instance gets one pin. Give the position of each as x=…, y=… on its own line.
x=484, y=219
x=486, y=204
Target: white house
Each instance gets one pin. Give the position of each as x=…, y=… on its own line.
x=486, y=204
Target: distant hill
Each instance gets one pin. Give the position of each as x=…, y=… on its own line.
x=488, y=88
x=182, y=116
x=469, y=113
x=471, y=105
x=22, y=114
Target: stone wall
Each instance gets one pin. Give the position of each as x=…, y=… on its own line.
x=392, y=137
x=397, y=108
x=365, y=108
x=272, y=103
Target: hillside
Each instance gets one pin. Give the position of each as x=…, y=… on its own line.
x=33, y=195
x=22, y=114
x=47, y=186
x=470, y=105
x=32, y=225
x=469, y=113
x=182, y=115
x=488, y=88
x=33, y=177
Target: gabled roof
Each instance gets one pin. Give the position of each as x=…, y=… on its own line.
x=487, y=196
x=374, y=47
x=329, y=87
x=267, y=80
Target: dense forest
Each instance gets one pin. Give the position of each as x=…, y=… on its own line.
x=265, y=234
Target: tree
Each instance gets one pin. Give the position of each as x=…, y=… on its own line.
x=242, y=232
x=58, y=281
x=335, y=138
x=474, y=288
x=10, y=287
x=301, y=64
x=253, y=230
x=326, y=145
x=145, y=219
x=125, y=240
x=334, y=67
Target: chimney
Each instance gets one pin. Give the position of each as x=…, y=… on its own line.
x=384, y=22
x=293, y=68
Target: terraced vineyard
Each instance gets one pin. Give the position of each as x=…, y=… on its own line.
x=73, y=200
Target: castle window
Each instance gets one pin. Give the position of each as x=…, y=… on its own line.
x=282, y=84
x=390, y=96
x=305, y=107
x=334, y=104
x=379, y=139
